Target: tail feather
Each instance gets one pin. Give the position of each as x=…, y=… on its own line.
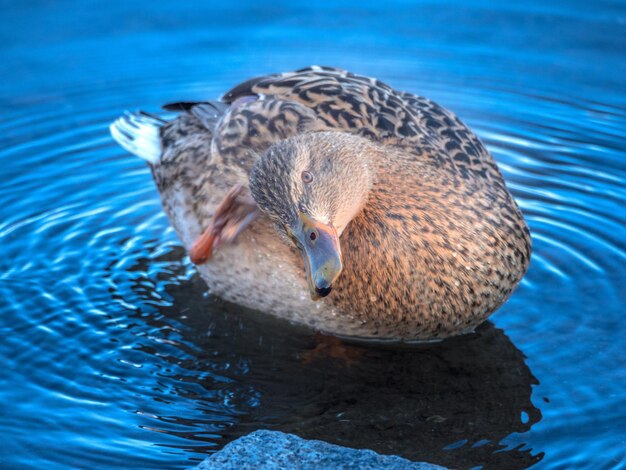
x=139, y=133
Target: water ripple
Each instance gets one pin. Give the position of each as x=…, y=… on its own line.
x=114, y=352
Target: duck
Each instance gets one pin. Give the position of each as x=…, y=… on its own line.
x=334, y=201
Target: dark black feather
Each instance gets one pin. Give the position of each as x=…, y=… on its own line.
x=181, y=106
x=245, y=88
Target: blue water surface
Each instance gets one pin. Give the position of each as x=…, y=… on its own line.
x=113, y=356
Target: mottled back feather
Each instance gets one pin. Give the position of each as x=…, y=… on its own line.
x=370, y=108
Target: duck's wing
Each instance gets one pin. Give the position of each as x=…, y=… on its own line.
x=208, y=113
x=368, y=107
x=243, y=128
x=342, y=100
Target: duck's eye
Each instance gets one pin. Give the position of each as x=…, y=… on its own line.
x=307, y=177
x=312, y=236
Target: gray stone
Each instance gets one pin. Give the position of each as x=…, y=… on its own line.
x=276, y=450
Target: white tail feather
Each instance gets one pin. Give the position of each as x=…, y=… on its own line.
x=139, y=134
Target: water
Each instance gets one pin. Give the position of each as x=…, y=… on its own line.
x=112, y=353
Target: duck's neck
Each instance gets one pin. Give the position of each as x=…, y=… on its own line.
x=354, y=196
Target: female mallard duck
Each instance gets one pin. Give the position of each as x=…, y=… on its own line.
x=390, y=199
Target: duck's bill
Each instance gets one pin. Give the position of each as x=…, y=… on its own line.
x=322, y=255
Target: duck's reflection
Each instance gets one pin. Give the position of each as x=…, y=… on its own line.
x=449, y=403
x=416, y=403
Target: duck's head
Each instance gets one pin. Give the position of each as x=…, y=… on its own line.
x=312, y=186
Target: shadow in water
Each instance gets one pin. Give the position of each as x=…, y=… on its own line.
x=449, y=403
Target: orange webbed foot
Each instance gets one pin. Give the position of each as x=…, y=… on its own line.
x=332, y=347
x=236, y=211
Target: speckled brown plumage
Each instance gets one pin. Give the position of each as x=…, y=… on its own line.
x=437, y=247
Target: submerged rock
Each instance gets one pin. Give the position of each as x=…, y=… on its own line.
x=276, y=450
